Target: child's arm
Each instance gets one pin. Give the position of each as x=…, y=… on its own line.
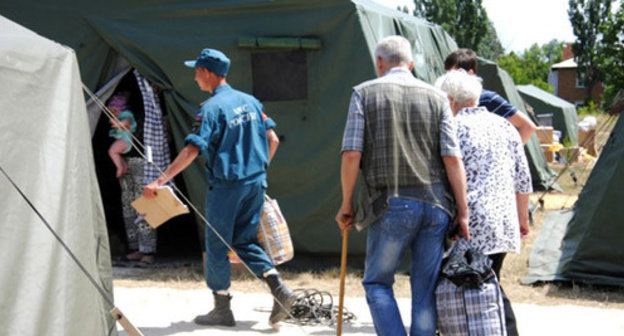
x=123, y=124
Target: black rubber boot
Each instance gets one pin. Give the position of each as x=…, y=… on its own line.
x=221, y=315
x=282, y=293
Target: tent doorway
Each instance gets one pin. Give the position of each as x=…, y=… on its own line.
x=177, y=239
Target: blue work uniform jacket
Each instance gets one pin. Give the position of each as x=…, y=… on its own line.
x=232, y=137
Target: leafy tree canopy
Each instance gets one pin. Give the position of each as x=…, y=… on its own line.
x=532, y=66
x=586, y=17
x=611, y=53
x=490, y=46
x=465, y=20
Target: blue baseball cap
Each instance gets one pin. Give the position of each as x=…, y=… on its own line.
x=211, y=59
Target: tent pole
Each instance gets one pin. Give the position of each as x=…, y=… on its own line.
x=124, y=322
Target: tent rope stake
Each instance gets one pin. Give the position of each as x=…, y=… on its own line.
x=115, y=312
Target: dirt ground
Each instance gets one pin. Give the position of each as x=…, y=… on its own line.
x=515, y=267
x=163, y=301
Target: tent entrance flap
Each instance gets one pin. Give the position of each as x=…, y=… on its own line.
x=103, y=93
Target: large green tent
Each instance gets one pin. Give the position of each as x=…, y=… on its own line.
x=46, y=153
x=563, y=113
x=584, y=244
x=299, y=57
x=309, y=54
x=498, y=80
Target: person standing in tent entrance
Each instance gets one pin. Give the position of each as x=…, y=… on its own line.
x=122, y=128
x=142, y=238
x=401, y=132
x=467, y=59
x=238, y=142
x=497, y=173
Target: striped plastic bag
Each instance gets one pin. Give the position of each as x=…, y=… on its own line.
x=465, y=311
x=469, y=300
x=273, y=233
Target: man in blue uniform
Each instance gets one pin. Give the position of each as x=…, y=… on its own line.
x=238, y=142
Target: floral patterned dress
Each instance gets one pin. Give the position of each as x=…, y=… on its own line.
x=496, y=169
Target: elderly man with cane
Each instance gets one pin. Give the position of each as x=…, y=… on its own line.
x=238, y=142
x=402, y=134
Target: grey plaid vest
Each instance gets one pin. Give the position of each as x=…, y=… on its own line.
x=402, y=133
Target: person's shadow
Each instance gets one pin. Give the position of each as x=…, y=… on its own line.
x=186, y=326
x=241, y=326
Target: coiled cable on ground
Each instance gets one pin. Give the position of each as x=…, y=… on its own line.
x=314, y=307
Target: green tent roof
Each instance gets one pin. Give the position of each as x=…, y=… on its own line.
x=564, y=117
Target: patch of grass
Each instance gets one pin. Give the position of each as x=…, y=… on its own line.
x=591, y=108
x=180, y=277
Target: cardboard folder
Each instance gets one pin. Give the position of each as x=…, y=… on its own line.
x=161, y=208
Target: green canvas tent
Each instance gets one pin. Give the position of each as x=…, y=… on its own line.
x=563, y=113
x=46, y=151
x=498, y=80
x=584, y=244
x=299, y=57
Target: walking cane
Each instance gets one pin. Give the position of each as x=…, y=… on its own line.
x=343, y=271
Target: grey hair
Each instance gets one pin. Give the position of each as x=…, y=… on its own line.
x=395, y=50
x=464, y=88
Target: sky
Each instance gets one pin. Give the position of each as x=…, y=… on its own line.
x=519, y=24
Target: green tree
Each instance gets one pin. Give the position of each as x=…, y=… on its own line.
x=465, y=20
x=490, y=46
x=553, y=51
x=586, y=17
x=611, y=50
x=532, y=66
x=513, y=64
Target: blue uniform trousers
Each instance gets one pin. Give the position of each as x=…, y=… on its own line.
x=234, y=212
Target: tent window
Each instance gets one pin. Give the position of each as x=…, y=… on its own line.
x=279, y=76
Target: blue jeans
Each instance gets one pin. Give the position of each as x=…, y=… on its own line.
x=234, y=212
x=406, y=224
